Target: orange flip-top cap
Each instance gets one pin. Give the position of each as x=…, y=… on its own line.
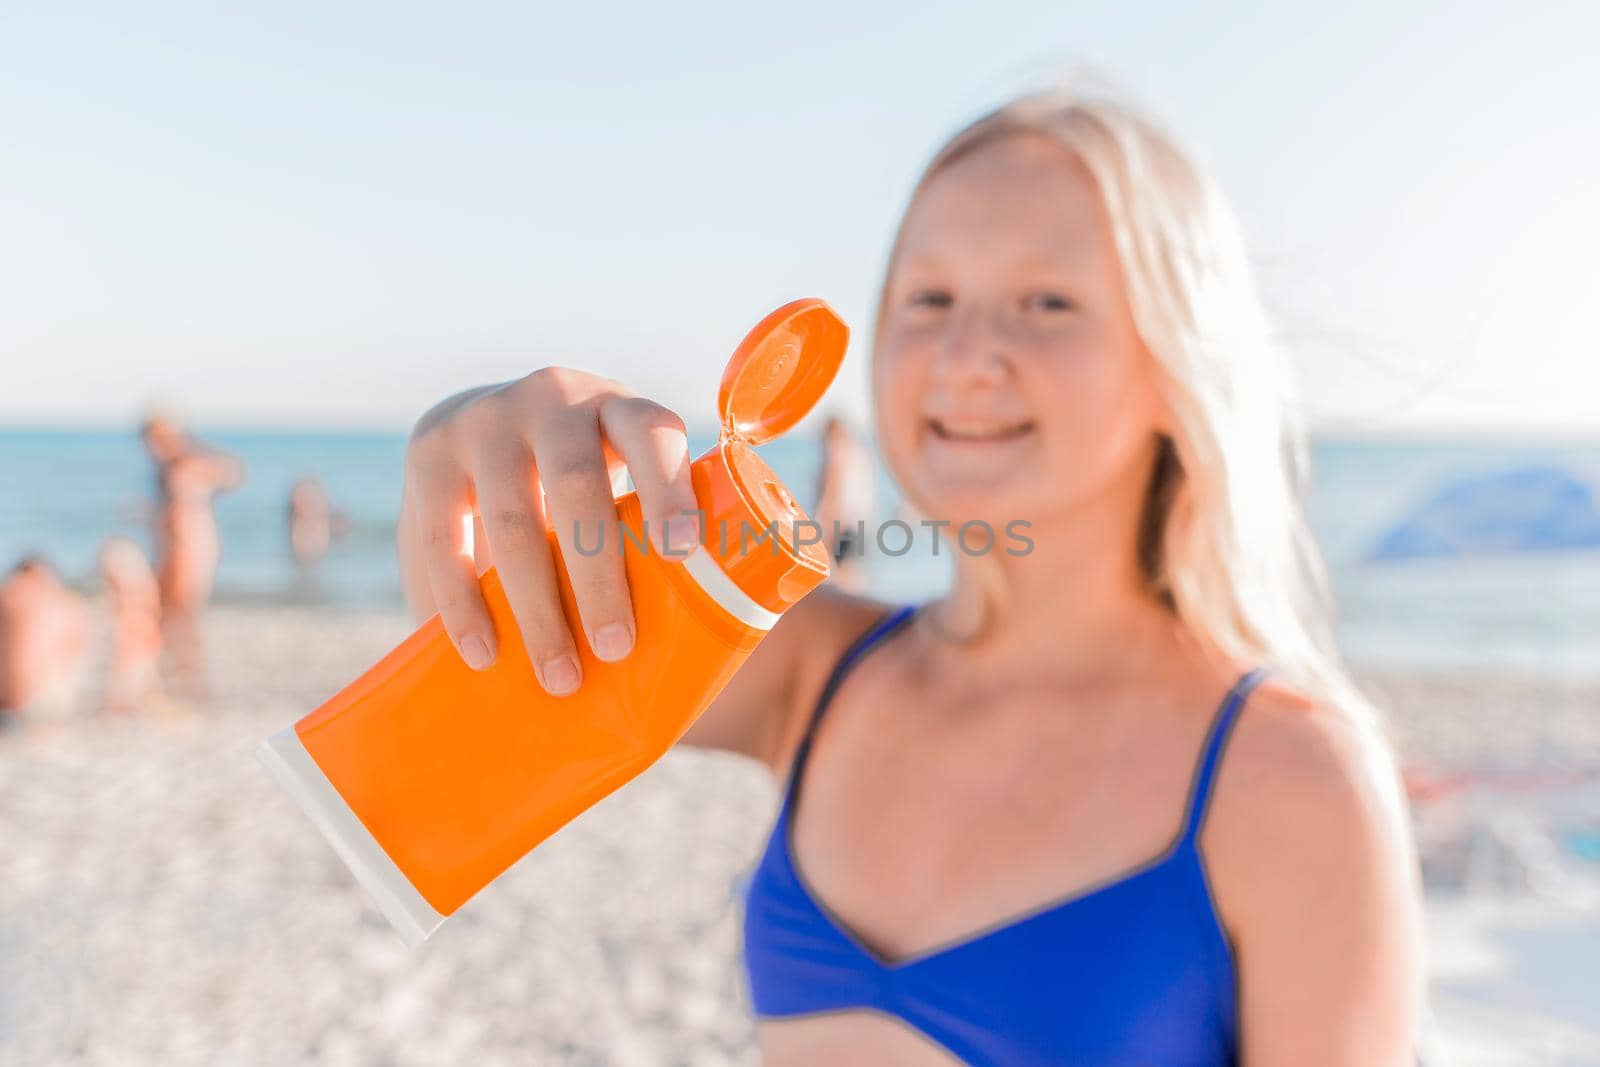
x=776, y=375
x=781, y=369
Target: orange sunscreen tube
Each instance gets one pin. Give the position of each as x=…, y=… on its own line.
x=430, y=779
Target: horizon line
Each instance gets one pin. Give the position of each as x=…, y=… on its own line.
x=1577, y=433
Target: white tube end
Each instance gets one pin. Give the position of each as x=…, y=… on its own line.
x=285, y=756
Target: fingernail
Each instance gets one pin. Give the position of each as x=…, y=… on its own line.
x=561, y=675
x=682, y=535
x=475, y=652
x=612, y=641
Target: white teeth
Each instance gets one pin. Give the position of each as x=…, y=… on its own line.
x=978, y=431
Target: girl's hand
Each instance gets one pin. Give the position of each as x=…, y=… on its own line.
x=490, y=451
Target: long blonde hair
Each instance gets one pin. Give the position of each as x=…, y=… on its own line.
x=1223, y=540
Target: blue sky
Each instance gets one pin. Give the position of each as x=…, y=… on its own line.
x=315, y=214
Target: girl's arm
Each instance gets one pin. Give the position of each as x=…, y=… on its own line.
x=1316, y=876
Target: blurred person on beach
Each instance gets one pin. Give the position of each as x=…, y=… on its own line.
x=314, y=522
x=44, y=641
x=1111, y=799
x=189, y=475
x=132, y=678
x=845, y=502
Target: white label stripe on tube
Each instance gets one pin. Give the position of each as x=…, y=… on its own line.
x=705, y=570
x=407, y=911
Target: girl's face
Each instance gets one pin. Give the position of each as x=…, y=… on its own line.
x=1009, y=380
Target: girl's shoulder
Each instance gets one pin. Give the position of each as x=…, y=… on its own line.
x=1286, y=740
x=1295, y=765
x=818, y=631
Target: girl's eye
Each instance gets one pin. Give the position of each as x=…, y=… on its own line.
x=929, y=298
x=1050, y=302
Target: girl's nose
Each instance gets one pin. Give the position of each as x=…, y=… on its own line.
x=973, y=348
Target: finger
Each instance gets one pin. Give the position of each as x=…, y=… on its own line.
x=654, y=444
x=444, y=517
x=514, y=523
x=572, y=470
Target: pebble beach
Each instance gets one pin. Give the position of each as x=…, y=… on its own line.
x=161, y=901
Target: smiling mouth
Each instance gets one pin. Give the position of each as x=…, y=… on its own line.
x=979, y=432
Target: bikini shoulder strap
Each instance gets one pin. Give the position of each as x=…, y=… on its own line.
x=1216, y=740
x=886, y=624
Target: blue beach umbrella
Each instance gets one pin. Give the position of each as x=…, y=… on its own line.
x=1527, y=509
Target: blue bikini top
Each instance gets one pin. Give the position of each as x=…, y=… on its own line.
x=1133, y=970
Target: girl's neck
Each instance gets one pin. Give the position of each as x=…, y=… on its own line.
x=1075, y=605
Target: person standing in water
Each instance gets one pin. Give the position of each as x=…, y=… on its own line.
x=314, y=522
x=845, y=499
x=1112, y=800
x=188, y=545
